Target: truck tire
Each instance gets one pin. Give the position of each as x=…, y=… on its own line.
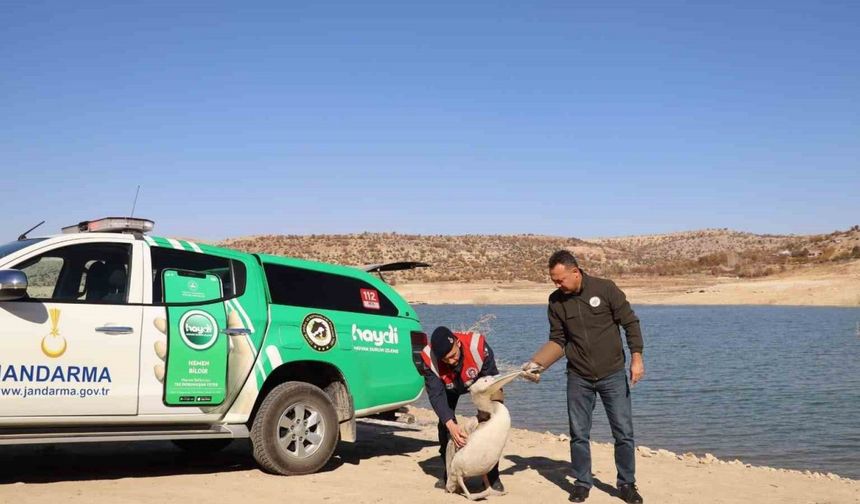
x=295, y=430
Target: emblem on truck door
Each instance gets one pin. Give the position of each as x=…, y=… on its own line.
x=319, y=332
x=54, y=345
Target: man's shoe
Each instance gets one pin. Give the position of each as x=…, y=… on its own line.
x=579, y=493
x=629, y=493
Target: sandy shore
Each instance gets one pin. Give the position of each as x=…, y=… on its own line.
x=387, y=465
x=829, y=285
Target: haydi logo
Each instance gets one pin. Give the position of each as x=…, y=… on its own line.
x=378, y=338
x=198, y=329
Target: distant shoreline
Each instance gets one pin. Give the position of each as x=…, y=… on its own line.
x=835, y=286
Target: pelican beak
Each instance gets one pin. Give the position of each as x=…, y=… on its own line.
x=503, y=380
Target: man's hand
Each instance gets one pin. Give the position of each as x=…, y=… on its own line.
x=532, y=371
x=457, y=434
x=637, y=368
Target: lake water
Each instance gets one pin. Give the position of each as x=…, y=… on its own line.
x=775, y=386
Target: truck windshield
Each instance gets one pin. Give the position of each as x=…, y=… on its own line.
x=15, y=246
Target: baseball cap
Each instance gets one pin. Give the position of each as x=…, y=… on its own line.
x=441, y=341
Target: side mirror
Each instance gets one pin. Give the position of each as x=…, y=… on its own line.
x=13, y=285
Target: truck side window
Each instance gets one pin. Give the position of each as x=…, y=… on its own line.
x=87, y=273
x=316, y=289
x=231, y=272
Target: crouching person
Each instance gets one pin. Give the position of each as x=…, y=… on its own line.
x=452, y=363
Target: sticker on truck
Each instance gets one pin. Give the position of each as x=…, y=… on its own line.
x=196, y=347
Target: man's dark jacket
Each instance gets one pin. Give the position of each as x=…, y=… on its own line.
x=586, y=324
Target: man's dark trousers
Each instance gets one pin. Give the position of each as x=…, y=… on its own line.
x=615, y=395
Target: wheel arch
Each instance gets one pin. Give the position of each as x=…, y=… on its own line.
x=323, y=375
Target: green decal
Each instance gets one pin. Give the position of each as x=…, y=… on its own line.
x=319, y=332
x=197, y=350
x=198, y=329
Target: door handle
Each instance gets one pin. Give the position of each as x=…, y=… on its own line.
x=236, y=331
x=115, y=330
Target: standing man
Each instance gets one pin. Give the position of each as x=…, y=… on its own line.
x=584, y=314
x=452, y=363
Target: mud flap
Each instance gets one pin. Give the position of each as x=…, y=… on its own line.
x=343, y=404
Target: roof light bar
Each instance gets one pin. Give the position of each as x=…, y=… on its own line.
x=112, y=225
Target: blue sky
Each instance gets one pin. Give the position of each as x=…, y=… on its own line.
x=565, y=118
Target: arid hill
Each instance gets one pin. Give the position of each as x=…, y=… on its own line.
x=720, y=252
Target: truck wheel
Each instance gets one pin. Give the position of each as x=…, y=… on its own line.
x=202, y=445
x=295, y=430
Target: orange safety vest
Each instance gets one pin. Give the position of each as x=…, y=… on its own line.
x=472, y=348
